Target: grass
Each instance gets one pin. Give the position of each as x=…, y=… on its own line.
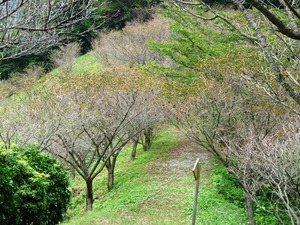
x=84, y=64
x=87, y=63
x=150, y=191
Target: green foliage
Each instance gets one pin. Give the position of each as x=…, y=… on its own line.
x=214, y=209
x=226, y=185
x=33, y=187
x=191, y=43
x=123, y=11
x=9, y=200
x=265, y=210
x=10, y=66
x=269, y=208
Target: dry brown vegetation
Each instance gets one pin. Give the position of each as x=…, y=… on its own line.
x=129, y=46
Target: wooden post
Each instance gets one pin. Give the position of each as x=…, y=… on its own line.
x=196, y=172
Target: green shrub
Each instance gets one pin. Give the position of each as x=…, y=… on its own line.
x=33, y=188
x=226, y=185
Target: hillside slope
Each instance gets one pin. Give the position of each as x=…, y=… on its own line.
x=157, y=188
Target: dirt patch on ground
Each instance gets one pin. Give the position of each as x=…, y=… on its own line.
x=184, y=156
x=182, y=159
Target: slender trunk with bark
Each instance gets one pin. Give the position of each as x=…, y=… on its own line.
x=249, y=207
x=111, y=178
x=134, y=148
x=110, y=166
x=89, y=194
x=148, y=133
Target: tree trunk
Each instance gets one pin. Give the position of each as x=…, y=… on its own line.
x=110, y=166
x=249, y=207
x=134, y=148
x=111, y=178
x=89, y=195
x=148, y=133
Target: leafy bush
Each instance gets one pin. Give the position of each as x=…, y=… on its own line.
x=33, y=188
x=226, y=185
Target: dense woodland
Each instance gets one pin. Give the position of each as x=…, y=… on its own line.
x=92, y=91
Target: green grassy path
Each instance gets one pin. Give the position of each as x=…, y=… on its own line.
x=156, y=188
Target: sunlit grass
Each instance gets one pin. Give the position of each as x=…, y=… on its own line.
x=87, y=63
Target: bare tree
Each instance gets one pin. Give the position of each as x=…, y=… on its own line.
x=31, y=26
x=278, y=165
x=65, y=56
x=129, y=46
x=247, y=141
x=145, y=113
x=145, y=138
x=6, y=90
x=86, y=121
x=7, y=129
x=150, y=118
x=13, y=114
x=268, y=162
x=227, y=120
x=145, y=91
